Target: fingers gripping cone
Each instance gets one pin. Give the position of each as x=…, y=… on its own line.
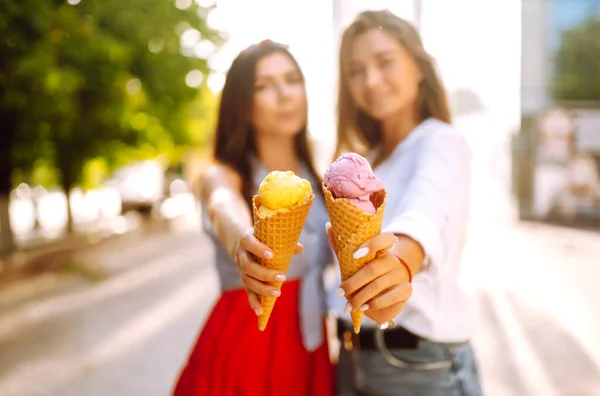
x=280, y=231
x=352, y=226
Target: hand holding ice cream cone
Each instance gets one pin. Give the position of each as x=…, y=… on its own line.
x=262, y=251
x=355, y=200
x=280, y=210
x=382, y=300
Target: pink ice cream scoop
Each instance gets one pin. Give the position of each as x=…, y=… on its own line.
x=351, y=177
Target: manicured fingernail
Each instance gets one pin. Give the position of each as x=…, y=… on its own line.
x=257, y=311
x=274, y=293
x=348, y=308
x=280, y=278
x=364, y=307
x=360, y=253
x=340, y=292
x=268, y=254
x=394, y=245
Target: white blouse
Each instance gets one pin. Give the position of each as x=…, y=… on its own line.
x=427, y=178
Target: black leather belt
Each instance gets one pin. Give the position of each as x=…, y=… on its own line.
x=395, y=338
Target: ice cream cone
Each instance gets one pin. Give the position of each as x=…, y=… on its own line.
x=280, y=231
x=352, y=226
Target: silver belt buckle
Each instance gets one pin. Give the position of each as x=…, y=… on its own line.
x=387, y=325
x=394, y=361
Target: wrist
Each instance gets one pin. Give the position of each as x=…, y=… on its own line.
x=239, y=233
x=409, y=271
x=409, y=253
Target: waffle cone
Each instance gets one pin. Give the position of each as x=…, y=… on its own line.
x=352, y=226
x=279, y=231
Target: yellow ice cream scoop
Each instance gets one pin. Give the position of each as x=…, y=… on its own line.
x=281, y=190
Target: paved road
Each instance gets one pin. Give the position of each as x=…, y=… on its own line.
x=535, y=289
x=128, y=335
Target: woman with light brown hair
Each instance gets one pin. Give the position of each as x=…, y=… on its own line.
x=392, y=108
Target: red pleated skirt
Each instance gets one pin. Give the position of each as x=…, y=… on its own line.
x=233, y=358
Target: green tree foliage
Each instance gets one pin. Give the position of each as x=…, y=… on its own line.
x=577, y=63
x=88, y=86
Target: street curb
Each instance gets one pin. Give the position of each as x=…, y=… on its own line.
x=22, y=264
x=51, y=256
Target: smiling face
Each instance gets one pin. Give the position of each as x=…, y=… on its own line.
x=279, y=100
x=383, y=79
x=386, y=78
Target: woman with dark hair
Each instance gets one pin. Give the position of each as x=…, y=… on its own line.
x=392, y=108
x=261, y=127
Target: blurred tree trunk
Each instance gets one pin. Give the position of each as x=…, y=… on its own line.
x=70, y=227
x=67, y=183
x=69, y=165
x=7, y=240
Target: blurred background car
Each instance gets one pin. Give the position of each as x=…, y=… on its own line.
x=141, y=186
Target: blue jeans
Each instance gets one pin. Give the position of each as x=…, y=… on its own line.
x=434, y=369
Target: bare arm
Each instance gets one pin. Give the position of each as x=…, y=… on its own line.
x=220, y=194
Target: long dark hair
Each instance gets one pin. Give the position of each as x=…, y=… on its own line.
x=235, y=135
x=357, y=131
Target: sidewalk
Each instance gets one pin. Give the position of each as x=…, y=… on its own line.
x=79, y=260
x=54, y=255
x=45, y=257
